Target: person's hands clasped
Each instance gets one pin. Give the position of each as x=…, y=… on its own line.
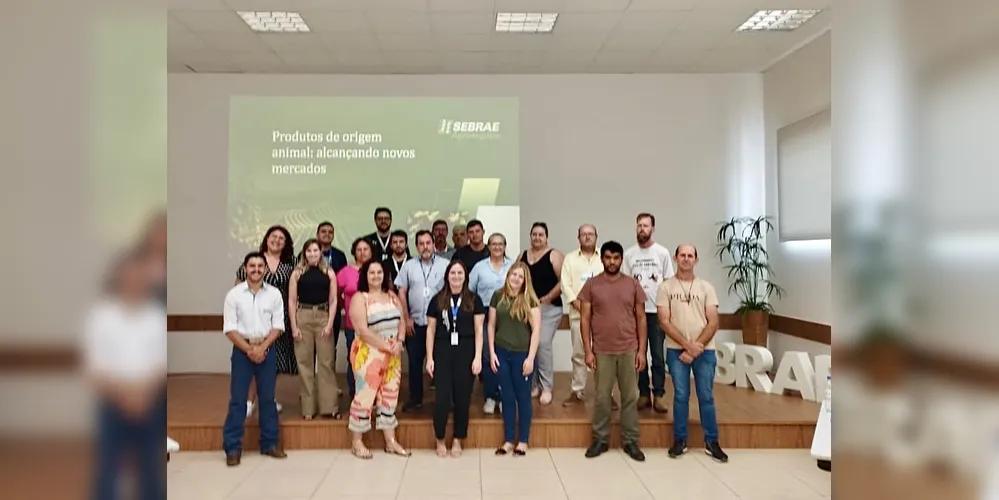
x=695, y=349
x=257, y=353
x=686, y=357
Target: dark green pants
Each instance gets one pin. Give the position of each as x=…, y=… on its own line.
x=616, y=369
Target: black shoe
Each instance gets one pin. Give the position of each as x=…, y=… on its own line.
x=596, y=449
x=679, y=448
x=714, y=451
x=232, y=459
x=634, y=452
x=412, y=406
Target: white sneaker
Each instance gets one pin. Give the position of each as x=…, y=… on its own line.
x=490, y=407
x=249, y=408
x=546, y=397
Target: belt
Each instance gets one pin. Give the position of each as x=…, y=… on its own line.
x=255, y=340
x=315, y=307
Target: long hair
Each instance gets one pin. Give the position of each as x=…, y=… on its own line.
x=444, y=296
x=288, y=252
x=521, y=302
x=303, y=263
x=362, y=280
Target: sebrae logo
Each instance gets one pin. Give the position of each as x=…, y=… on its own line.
x=469, y=130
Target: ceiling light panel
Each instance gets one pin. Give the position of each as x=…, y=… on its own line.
x=777, y=20
x=274, y=22
x=525, y=22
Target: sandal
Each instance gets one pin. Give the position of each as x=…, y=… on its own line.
x=519, y=452
x=360, y=451
x=394, y=448
x=503, y=450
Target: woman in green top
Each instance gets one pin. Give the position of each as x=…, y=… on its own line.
x=513, y=326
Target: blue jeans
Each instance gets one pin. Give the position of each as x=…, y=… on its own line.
x=657, y=339
x=416, y=350
x=490, y=381
x=704, y=378
x=515, y=391
x=140, y=441
x=243, y=371
x=349, y=336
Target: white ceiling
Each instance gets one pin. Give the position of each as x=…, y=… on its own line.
x=456, y=36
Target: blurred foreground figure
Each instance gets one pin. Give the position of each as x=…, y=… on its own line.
x=126, y=361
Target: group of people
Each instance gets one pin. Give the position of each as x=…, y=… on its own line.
x=467, y=311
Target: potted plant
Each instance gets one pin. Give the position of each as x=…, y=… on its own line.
x=742, y=249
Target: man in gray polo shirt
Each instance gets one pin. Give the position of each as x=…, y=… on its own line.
x=418, y=281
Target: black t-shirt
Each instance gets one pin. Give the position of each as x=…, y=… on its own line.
x=466, y=320
x=470, y=257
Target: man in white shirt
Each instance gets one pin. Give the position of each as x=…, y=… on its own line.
x=253, y=318
x=650, y=263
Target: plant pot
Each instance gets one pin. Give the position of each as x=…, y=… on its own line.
x=755, y=326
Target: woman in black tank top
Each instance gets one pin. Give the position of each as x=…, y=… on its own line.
x=545, y=264
x=312, y=294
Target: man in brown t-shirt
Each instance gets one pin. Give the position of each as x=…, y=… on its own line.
x=612, y=324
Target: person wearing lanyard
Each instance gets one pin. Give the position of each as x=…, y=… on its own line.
x=418, y=281
x=454, y=353
x=381, y=239
x=399, y=245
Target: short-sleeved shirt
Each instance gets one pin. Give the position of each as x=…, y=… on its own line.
x=470, y=257
x=511, y=333
x=466, y=320
x=422, y=280
x=687, y=301
x=484, y=279
x=613, y=304
x=650, y=266
x=346, y=280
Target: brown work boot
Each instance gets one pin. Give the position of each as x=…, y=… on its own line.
x=659, y=404
x=644, y=403
x=574, y=399
x=232, y=459
x=275, y=453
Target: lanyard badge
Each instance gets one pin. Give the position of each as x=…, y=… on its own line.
x=454, y=320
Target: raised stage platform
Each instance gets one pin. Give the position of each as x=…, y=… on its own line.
x=747, y=419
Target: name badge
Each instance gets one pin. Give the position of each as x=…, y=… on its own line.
x=454, y=338
x=426, y=293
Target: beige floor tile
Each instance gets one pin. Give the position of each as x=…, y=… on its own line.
x=418, y=495
x=442, y=482
x=279, y=484
x=542, y=482
x=531, y=496
x=536, y=459
x=352, y=476
x=304, y=460
x=428, y=460
x=624, y=483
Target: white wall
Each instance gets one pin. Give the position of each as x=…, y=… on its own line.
x=796, y=88
x=594, y=148
x=793, y=89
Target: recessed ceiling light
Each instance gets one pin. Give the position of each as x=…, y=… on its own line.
x=525, y=22
x=274, y=22
x=777, y=20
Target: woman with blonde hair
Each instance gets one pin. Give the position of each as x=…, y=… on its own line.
x=513, y=327
x=312, y=302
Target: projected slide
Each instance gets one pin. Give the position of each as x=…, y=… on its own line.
x=298, y=161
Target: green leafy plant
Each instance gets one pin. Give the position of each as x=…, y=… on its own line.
x=742, y=249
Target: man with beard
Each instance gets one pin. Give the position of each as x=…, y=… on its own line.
x=650, y=263
x=380, y=239
x=476, y=250
x=253, y=318
x=439, y=231
x=688, y=313
x=399, y=246
x=418, y=281
x=612, y=325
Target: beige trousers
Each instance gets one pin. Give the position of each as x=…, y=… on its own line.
x=315, y=356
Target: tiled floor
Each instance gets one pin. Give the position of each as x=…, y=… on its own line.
x=479, y=475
